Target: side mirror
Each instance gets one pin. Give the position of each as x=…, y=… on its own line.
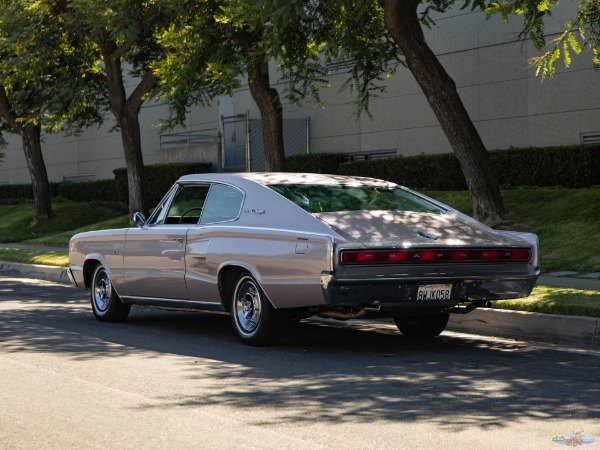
x=139, y=219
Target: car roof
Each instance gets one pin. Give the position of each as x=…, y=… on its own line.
x=270, y=178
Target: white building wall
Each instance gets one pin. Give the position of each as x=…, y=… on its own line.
x=507, y=103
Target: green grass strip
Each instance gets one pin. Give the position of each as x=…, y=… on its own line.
x=45, y=258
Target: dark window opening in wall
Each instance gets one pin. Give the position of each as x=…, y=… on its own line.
x=376, y=154
x=590, y=138
x=79, y=178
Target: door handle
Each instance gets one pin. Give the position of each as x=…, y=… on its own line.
x=179, y=239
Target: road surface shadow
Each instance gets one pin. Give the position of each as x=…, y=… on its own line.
x=328, y=373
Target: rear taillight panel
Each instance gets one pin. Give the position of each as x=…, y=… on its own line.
x=418, y=256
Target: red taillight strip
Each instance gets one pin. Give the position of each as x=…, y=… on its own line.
x=428, y=255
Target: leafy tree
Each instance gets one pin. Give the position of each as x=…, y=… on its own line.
x=581, y=33
x=333, y=28
x=212, y=45
x=402, y=21
x=122, y=36
x=40, y=89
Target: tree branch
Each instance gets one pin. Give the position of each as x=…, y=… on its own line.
x=5, y=110
x=136, y=99
x=124, y=47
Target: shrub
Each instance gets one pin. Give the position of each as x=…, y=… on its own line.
x=314, y=163
x=439, y=172
x=88, y=190
x=15, y=193
x=159, y=178
x=569, y=167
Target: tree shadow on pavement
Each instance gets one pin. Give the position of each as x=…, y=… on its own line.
x=330, y=374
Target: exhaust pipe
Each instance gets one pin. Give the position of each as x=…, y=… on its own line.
x=343, y=314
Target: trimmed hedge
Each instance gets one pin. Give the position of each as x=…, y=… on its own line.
x=14, y=193
x=88, y=190
x=159, y=178
x=439, y=172
x=568, y=167
x=314, y=163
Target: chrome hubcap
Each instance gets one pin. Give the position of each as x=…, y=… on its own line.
x=248, y=306
x=102, y=291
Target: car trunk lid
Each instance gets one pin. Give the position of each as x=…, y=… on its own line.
x=412, y=229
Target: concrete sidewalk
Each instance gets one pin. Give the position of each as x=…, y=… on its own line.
x=557, y=329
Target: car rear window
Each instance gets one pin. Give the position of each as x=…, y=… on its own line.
x=316, y=198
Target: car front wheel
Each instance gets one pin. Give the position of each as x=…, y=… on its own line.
x=422, y=326
x=106, y=304
x=254, y=319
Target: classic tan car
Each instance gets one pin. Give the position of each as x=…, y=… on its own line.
x=274, y=247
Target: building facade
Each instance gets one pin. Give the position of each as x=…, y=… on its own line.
x=508, y=104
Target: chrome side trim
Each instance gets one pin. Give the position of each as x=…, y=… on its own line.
x=71, y=277
x=172, y=303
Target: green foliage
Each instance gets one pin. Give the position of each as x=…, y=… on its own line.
x=88, y=191
x=581, y=33
x=44, y=257
x=159, y=178
x=21, y=193
x=549, y=300
x=309, y=37
x=314, y=163
x=43, y=69
x=570, y=167
x=68, y=216
x=431, y=171
x=203, y=60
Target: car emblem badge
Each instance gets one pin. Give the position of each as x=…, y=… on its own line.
x=428, y=235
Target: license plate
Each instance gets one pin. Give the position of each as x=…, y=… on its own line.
x=434, y=292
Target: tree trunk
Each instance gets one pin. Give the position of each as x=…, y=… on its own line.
x=268, y=102
x=136, y=173
x=271, y=112
x=42, y=198
x=402, y=23
x=32, y=147
x=126, y=112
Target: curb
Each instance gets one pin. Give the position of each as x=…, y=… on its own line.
x=519, y=325
x=37, y=271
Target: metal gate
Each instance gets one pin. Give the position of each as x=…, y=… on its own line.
x=235, y=145
x=243, y=148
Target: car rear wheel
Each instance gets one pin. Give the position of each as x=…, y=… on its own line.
x=254, y=319
x=106, y=304
x=422, y=326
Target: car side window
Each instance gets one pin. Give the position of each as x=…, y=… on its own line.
x=224, y=203
x=185, y=207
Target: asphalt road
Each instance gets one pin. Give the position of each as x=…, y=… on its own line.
x=182, y=380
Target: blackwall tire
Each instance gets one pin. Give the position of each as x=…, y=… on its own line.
x=254, y=319
x=106, y=304
x=422, y=326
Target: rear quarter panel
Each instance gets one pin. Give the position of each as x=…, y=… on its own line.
x=287, y=264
